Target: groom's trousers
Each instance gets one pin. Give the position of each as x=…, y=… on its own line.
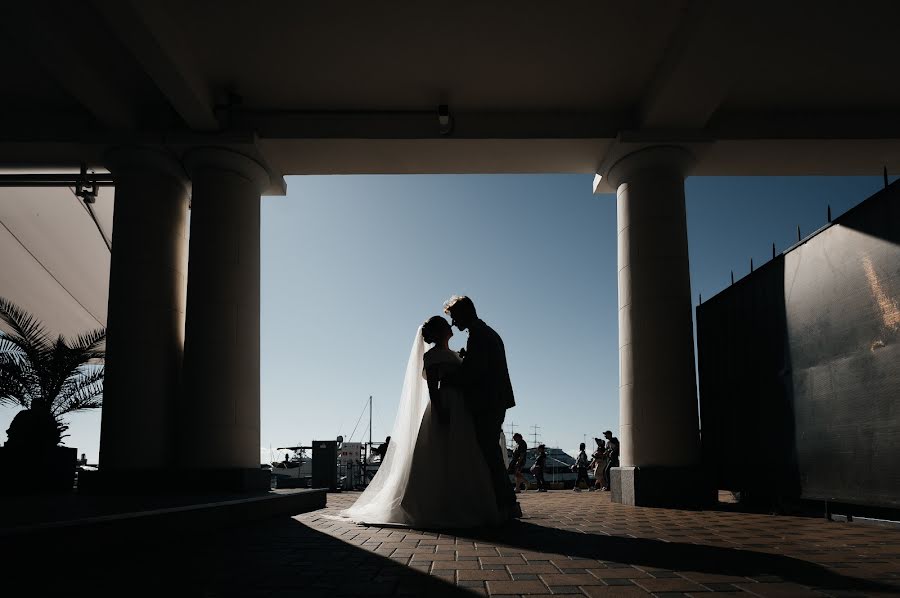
x=487, y=428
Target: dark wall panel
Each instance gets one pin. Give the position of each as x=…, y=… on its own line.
x=799, y=366
x=842, y=292
x=746, y=418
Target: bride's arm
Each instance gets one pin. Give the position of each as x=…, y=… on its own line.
x=433, y=377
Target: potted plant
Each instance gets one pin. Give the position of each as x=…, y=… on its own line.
x=48, y=378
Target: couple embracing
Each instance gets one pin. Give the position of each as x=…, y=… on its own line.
x=444, y=466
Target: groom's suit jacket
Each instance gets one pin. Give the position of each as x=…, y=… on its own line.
x=484, y=374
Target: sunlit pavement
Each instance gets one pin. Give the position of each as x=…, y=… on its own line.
x=567, y=544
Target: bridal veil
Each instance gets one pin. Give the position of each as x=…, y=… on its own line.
x=380, y=502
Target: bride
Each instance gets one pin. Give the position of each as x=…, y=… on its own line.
x=434, y=474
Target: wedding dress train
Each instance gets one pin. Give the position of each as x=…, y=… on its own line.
x=434, y=475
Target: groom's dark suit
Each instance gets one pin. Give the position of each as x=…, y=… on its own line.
x=488, y=392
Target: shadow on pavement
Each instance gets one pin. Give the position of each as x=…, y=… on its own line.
x=673, y=556
x=279, y=557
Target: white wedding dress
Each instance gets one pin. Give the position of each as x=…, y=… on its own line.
x=434, y=475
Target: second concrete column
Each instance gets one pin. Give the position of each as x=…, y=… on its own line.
x=219, y=406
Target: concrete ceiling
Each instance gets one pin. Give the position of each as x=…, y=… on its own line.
x=353, y=87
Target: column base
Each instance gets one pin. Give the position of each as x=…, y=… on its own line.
x=28, y=471
x=174, y=481
x=682, y=487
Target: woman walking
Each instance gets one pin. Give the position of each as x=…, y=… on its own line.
x=598, y=464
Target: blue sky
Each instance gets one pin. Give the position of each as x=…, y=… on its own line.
x=351, y=265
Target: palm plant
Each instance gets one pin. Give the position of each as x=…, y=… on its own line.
x=48, y=378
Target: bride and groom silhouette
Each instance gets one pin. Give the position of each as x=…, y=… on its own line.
x=444, y=466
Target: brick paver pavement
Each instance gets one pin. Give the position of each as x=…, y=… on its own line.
x=582, y=544
x=567, y=544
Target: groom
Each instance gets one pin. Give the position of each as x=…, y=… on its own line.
x=484, y=379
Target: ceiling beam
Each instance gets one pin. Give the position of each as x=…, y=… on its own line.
x=424, y=124
x=150, y=35
x=38, y=128
x=37, y=28
x=693, y=77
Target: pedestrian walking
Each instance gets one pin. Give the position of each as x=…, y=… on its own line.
x=580, y=468
x=538, y=468
x=598, y=464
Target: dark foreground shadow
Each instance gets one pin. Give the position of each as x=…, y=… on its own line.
x=672, y=555
x=279, y=557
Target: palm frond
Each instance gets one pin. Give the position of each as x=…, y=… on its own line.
x=11, y=352
x=11, y=344
x=62, y=364
x=15, y=349
x=31, y=341
x=52, y=376
x=91, y=343
x=26, y=326
x=53, y=367
x=19, y=383
x=14, y=387
x=87, y=348
x=84, y=376
x=82, y=392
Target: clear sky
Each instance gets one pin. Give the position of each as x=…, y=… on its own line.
x=351, y=265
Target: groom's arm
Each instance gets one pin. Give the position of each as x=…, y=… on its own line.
x=476, y=365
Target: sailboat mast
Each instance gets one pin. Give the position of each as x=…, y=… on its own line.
x=370, y=421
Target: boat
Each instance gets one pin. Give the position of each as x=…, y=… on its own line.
x=295, y=471
x=354, y=469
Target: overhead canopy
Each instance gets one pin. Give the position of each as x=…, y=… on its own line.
x=54, y=261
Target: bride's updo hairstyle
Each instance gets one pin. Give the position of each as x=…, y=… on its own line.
x=433, y=328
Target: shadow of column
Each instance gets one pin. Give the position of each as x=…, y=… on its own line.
x=279, y=557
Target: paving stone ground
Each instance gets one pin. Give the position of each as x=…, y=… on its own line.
x=582, y=544
x=568, y=543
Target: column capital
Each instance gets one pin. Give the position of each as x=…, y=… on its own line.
x=139, y=160
x=675, y=159
x=621, y=168
x=200, y=159
x=631, y=152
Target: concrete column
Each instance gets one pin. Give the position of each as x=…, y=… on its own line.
x=147, y=286
x=659, y=431
x=219, y=409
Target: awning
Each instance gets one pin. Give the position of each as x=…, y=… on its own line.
x=54, y=262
